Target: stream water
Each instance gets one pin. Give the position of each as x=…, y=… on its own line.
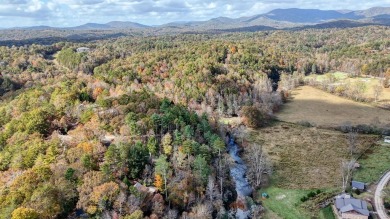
x=238, y=173
x=238, y=170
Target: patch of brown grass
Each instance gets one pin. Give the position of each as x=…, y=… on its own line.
x=306, y=158
x=327, y=110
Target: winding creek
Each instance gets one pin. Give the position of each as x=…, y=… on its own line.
x=238, y=174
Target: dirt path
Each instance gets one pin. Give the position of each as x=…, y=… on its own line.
x=378, y=199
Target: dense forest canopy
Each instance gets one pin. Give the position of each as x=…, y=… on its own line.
x=80, y=129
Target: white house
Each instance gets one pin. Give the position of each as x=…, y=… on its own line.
x=82, y=49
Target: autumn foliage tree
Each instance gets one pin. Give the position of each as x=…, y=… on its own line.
x=253, y=117
x=159, y=182
x=103, y=197
x=25, y=213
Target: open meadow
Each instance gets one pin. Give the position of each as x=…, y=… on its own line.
x=384, y=98
x=306, y=158
x=344, y=78
x=327, y=110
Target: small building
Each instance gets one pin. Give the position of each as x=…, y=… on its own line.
x=356, y=185
x=142, y=188
x=82, y=49
x=387, y=139
x=351, y=208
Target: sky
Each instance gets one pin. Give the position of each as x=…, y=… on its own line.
x=65, y=13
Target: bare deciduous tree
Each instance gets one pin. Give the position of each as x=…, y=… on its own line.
x=221, y=171
x=346, y=171
x=352, y=141
x=120, y=201
x=258, y=164
x=211, y=188
x=241, y=133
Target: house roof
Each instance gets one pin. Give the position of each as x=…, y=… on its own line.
x=346, y=204
x=358, y=185
x=351, y=207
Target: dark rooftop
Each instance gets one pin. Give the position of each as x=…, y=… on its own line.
x=346, y=203
x=358, y=185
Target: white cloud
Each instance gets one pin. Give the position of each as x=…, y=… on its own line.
x=212, y=5
x=34, y=6
x=75, y=12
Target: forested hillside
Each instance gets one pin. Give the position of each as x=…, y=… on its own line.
x=130, y=128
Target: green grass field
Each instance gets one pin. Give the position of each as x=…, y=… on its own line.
x=285, y=202
x=327, y=213
x=373, y=164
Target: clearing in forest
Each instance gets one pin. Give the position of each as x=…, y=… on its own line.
x=370, y=82
x=327, y=110
x=306, y=158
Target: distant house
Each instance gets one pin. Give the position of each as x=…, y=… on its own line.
x=142, y=188
x=82, y=49
x=387, y=139
x=356, y=185
x=351, y=208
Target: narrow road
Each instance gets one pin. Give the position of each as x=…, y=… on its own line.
x=378, y=199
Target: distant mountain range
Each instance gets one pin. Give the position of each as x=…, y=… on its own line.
x=276, y=19
x=110, y=25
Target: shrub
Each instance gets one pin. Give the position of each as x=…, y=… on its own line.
x=253, y=117
x=311, y=194
x=304, y=123
x=304, y=198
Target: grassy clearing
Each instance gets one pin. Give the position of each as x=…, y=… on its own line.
x=328, y=110
x=342, y=77
x=285, y=203
x=305, y=158
x=373, y=164
x=234, y=121
x=338, y=75
x=371, y=83
x=327, y=213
